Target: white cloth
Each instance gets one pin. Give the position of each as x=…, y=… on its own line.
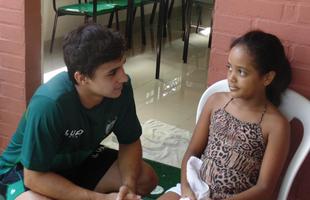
x=198, y=186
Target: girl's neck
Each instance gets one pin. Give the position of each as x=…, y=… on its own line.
x=252, y=104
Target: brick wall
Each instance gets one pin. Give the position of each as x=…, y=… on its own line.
x=290, y=21
x=19, y=70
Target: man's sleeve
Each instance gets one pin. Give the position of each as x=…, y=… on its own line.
x=42, y=134
x=127, y=128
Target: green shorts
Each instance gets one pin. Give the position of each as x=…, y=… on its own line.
x=11, y=183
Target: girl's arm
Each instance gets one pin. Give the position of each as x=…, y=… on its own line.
x=198, y=142
x=274, y=158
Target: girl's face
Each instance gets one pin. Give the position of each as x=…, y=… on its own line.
x=243, y=78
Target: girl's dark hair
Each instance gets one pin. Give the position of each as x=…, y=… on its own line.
x=268, y=55
x=89, y=46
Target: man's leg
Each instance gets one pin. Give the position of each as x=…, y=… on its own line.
x=111, y=181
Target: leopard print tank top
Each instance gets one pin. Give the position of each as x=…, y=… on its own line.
x=233, y=155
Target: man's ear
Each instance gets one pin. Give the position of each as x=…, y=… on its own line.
x=268, y=78
x=81, y=79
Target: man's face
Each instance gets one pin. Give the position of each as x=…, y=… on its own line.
x=108, y=79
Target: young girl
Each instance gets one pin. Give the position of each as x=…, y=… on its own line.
x=241, y=137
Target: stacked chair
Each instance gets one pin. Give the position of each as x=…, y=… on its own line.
x=85, y=9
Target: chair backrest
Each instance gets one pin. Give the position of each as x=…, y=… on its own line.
x=293, y=106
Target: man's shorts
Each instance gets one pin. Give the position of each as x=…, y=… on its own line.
x=86, y=175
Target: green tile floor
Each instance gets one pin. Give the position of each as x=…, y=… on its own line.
x=168, y=175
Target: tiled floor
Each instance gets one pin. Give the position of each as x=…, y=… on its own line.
x=174, y=97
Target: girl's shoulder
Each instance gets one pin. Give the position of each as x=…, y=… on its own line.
x=218, y=99
x=274, y=120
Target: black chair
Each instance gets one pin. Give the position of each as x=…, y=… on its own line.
x=122, y=5
x=86, y=9
x=188, y=10
x=155, y=7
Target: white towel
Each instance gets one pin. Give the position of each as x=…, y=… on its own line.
x=198, y=186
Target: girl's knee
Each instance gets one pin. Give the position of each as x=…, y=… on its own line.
x=30, y=195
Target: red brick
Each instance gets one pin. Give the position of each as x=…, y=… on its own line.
x=231, y=25
x=301, y=54
x=12, y=33
x=12, y=62
x=222, y=41
x=12, y=4
x=304, y=14
x=218, y=61
x=12, y=91
x=251, y=8
x=4, y=141
x=7, y=129
x=290, y=13
x=301, y=77
x=290, y=32
x=12, y=47
x=11, y=17
x=13, y=105
x=305, y=91
x=214, y=77
x=9, y=117
x=12, y=76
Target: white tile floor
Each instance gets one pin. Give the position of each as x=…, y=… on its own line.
x=174, y=97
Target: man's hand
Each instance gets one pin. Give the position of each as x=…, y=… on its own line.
x=126, y=194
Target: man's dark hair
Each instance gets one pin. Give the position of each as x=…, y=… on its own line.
x=268, y=55
x=89, y=46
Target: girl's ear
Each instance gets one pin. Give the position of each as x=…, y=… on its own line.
x=81, y=79
x=268, y=78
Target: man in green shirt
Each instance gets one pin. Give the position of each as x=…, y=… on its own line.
x=55, y=152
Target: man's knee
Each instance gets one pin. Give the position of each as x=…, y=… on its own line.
x=148, y=180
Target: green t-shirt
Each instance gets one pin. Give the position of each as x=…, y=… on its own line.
x=57, y=133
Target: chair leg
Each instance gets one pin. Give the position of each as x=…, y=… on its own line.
x=153, y=12
x=211, y=27
x=111, y=19
x=170, y=8
x=199, y=18
x=53, y=33
x=134, y=15
x=165, y=18
x=142, y=24
x=160, y=30
x=117, y=20
x=188, y=10
x=86, y=19
x=210, y=39
x=183, y=16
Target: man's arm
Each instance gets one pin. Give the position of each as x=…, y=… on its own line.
x=57, y=187
x=130, y=163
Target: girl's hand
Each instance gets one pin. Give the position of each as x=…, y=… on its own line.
x=188, y=193
x=126, y=194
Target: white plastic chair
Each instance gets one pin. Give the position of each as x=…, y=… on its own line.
x=293, y=106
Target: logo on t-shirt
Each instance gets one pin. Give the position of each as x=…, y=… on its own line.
x=74, y=133
x=110, y=125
